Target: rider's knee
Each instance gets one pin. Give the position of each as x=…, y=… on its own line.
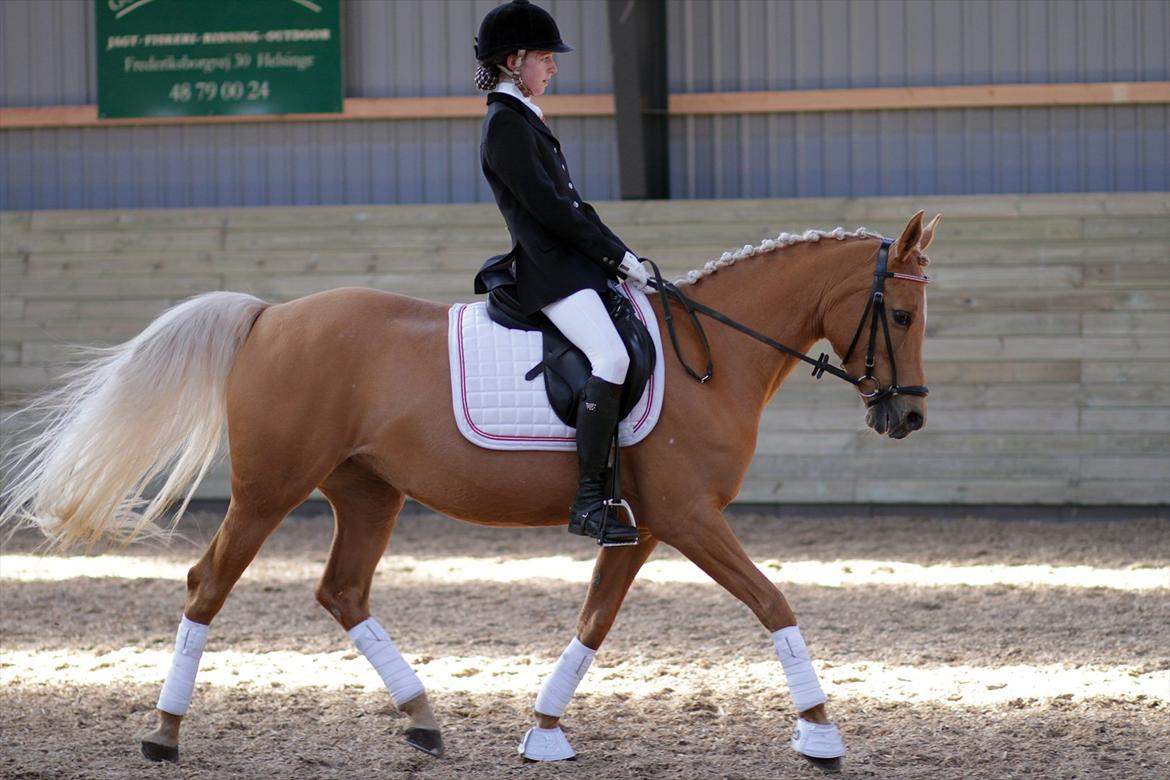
x=612, y=365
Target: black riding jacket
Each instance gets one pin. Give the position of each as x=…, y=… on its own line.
x=559, y=244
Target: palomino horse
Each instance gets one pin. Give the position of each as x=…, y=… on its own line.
x=340, y=391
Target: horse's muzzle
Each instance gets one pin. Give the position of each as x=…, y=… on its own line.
x=896, y=417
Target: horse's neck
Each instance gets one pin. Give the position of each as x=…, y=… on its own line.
x=781, y=294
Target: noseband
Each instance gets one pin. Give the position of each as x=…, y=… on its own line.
x=875, y=313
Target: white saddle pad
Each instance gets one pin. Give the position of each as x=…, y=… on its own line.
x=497, y=408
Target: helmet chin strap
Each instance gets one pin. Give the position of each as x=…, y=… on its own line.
x=514, y=74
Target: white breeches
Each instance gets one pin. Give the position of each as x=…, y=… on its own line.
x=585, y=322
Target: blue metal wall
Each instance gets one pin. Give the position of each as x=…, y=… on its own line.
x=745, y=45
x=423, y=48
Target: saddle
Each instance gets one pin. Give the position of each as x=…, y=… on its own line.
x=564, y=367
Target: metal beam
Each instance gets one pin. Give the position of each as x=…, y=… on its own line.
x=637, y=32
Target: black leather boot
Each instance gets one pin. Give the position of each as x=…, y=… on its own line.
x=597, y=419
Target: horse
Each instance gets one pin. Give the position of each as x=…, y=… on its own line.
x=337, y=391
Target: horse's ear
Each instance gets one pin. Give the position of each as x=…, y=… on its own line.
x=908, y=241
x=928, y=233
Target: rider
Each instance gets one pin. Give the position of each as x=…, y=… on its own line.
x=562, y=253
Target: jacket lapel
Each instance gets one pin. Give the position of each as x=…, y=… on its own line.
x=516, y=105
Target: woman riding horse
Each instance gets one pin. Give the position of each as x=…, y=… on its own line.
x=562, y=254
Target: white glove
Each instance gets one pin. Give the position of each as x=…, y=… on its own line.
x=634, y=271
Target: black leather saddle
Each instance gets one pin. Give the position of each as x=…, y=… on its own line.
x=565, y=368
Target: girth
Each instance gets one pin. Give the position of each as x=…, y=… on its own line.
x=565, y=367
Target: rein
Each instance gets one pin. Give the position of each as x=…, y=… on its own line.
x=875, y=312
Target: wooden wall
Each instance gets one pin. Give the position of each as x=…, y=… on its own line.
x=1048, y=352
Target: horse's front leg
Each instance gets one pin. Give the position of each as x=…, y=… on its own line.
x=708, y=541
x=613, y=574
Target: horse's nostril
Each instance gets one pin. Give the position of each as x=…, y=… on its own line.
x=914, y=421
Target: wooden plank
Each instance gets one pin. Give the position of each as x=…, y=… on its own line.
x=929, y=442
x=250, y=263
x=1010, y=419
x=144, y=309
x=1048, y=348
x=906, y=98
x=1022, y=277
x=73, y=331
x=1128, y=227
x=1015, y=324
x=1125, y=323
x=1128, y=275
x=1090, y=300
x=128, y=219
x=942, y=372
x=353, y=109
x=801, y=444
x=11, y=310
x=994, y=252
x=1012, y=491
x=1153, y=371
x=785, y=101
x=1152, y=468
x=764, y=488
x=416, y=215
x=15, y=220
x=21, y=380
x=896, y=462
x=163, y=287
x=1153, y=420
x=176, y=240
x=419, y=238
x=433, y=285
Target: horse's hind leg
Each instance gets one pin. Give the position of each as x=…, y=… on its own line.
x=613, y=574
x=365, y=509
x=209, y=582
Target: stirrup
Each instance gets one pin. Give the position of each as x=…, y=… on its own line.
x=617, y=504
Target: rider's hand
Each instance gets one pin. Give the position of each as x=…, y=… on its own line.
x=631, y=267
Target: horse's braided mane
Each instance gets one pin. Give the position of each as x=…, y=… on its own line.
x=769, y=244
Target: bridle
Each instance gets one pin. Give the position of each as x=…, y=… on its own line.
x=875, y=313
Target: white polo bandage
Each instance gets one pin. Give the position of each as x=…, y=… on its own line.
x=180, y=683
x=560, y=686
x=803, y=684
x=379, y=649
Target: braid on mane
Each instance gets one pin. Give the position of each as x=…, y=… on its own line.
x=767, y=245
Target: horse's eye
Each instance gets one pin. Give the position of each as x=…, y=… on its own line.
x=903, y=318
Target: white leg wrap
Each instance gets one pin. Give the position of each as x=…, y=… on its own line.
x=180, y=684
x=560, y=686
x=802, y=678
x=380, y=650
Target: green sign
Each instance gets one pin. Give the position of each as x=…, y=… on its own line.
x=210, y=57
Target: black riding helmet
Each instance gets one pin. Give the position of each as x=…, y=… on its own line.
x=517, y=25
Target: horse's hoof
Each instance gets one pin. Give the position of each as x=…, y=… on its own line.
x=153, y=751
x=428, y=741
x=546, y=745
x=830, y=765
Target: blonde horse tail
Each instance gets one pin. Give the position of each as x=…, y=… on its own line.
x=133, y=429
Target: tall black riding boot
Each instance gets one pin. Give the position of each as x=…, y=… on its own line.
x=597, y=419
